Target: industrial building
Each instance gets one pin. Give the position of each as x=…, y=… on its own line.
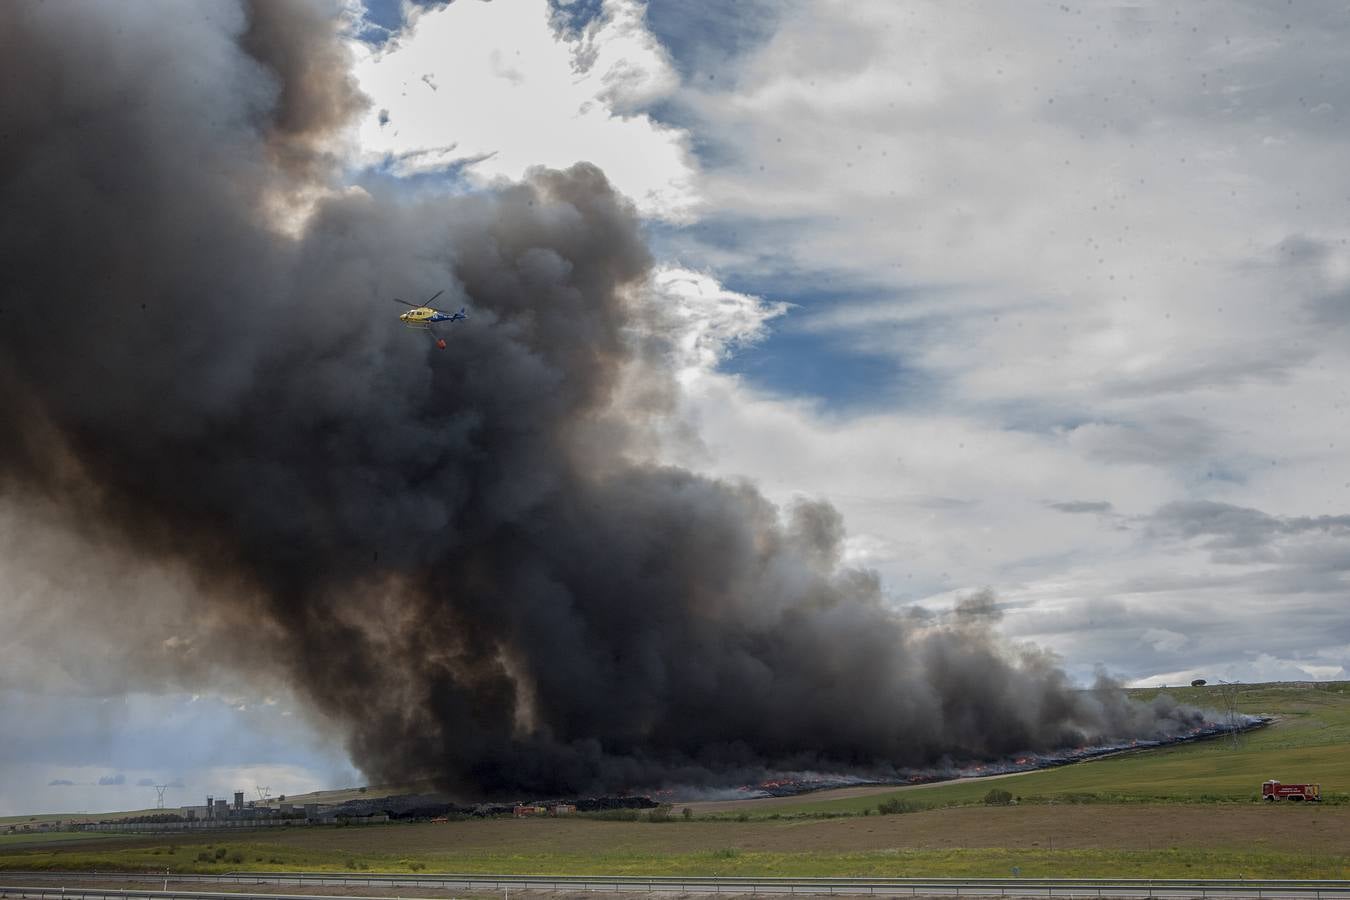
x=219, y=810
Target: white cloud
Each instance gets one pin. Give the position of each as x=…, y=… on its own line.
x=1113, y=242
x=1082, y=187
x=1165, y=641
x=493, y=87
x=704, y=321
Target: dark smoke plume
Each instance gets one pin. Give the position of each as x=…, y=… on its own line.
x=460, y=557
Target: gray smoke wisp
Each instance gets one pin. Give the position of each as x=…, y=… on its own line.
x=461, y=557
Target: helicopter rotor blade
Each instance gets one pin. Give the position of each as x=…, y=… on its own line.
x=434, y=296
x=405, y=302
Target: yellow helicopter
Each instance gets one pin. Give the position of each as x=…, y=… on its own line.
x=422, y=317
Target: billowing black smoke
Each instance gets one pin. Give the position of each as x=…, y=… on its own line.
x=460, y=556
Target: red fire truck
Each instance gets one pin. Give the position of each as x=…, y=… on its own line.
x=1273, y=790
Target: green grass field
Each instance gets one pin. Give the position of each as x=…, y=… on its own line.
x=901, y=862
x=1310, y=741
x=258, y=855
x=64, y=837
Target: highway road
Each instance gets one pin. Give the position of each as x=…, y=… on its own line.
x=149, y=886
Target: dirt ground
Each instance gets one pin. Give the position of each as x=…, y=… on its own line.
x=1285, y=828
x=1282, y=828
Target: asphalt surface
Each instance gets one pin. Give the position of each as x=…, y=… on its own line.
x=76, y=886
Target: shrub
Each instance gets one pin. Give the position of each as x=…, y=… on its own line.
x=611, y=815
x=220, y=853
x=996, y=797
x=687, y=813
x=203, y=857
x=237, y=858
x=895, y=806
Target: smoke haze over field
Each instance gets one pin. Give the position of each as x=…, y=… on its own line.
x=466, y=560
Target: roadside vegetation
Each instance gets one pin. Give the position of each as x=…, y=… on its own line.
x=244, y=856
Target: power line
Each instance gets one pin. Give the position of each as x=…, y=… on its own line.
x=1229, y=691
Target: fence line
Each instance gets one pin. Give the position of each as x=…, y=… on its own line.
x=431, y=877
x=1067, y=888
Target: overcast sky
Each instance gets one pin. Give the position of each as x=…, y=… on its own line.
x=1047, y=298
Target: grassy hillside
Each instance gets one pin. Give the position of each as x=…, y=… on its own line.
x=342, y=795
x=1309, y=741
x=6, y=821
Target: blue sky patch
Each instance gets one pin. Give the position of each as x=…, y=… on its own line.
x=384, y=18
x=705, y=39
x=794, y=357
x=449, y=179
x=797, y=358
x=795, y=362
x=572, y=16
